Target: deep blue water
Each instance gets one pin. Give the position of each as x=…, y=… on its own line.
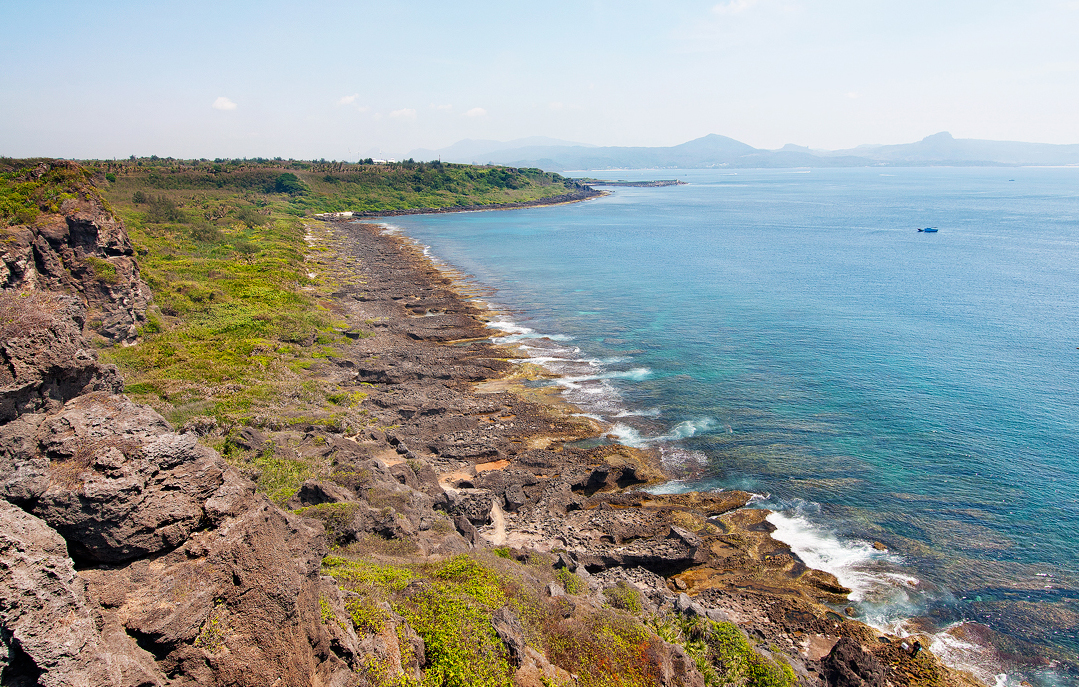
x=791, y=333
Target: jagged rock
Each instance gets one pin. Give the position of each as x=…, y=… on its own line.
x=556, y=499
x=312, y=493
x=396, y=646
x=240, y=604
x=199, y=425
x=509, y=630
x=474, y=504
x=687, y=606
x=47, y=361
x=24, y=475
x=515, y=498
x=675, y=667
x=426, y=480
x=55, y=255
x=664, y=555
x=532, y=668
x=249, y=439
x=118, y=490
x=466, y=529
x=849, y=665
x=49, y=635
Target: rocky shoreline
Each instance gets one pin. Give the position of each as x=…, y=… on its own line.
x=134, y=554
x=500, y=450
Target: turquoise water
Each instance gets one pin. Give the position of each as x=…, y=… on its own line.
x=791, y=333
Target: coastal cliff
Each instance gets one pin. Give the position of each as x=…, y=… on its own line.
x=442, y=529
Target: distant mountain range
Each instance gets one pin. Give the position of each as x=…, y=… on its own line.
x=719, y=151
x=472, y=150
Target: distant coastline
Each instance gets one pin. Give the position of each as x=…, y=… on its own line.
x=634, y=184
x=586, y=193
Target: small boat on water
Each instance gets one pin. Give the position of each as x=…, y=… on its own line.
x=929, y=230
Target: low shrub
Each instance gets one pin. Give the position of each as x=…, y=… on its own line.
x=624, y=597
x=104, y=271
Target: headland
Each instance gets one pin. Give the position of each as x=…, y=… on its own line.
x=412, y=511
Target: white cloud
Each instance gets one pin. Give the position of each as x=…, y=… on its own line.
x=442, y=107
x=476, y=112
x=351, y=100
x=555, y=106
x=224, y=103
x=853, y=96
x=405, y=114
x=734, y=6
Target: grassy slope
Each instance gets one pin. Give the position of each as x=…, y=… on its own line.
x=239, y=318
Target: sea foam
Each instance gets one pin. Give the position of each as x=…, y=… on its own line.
x=856, y=564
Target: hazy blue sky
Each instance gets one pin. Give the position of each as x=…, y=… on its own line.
x=342, y=79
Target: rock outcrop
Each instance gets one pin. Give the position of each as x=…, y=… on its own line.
x=130, y=554
x=82, y=250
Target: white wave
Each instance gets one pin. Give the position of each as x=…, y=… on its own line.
x=513, y=332
x=687, y=428
x=510, y=327
x=591, y=416
x=682, y=458
x=851, y=562
x=674, y=486
x=540, y=360
x=516, y=337
x=982, y=661
x=886, y=597
x=636, y=374
x=647, y=412
x=628, y=436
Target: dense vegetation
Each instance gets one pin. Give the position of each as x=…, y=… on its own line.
x=313, y=187
x=29, y=188
x=451, y=604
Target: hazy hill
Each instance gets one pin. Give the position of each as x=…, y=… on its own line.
x=720, y=151
x=470, y=150
x=943, y=148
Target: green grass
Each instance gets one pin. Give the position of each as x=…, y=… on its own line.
x=450, y=605
x=232, y=327
x=24, y=194
x=336, y=518
x=238, y=326
x=103, y=270
x=723, y=654
x=280, y=478
x=624, y=597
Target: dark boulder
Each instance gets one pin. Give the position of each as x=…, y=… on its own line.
x=849, y=665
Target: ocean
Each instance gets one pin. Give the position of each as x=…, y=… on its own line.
x=906, y=402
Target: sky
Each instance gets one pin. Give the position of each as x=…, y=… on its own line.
x=349, y=79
